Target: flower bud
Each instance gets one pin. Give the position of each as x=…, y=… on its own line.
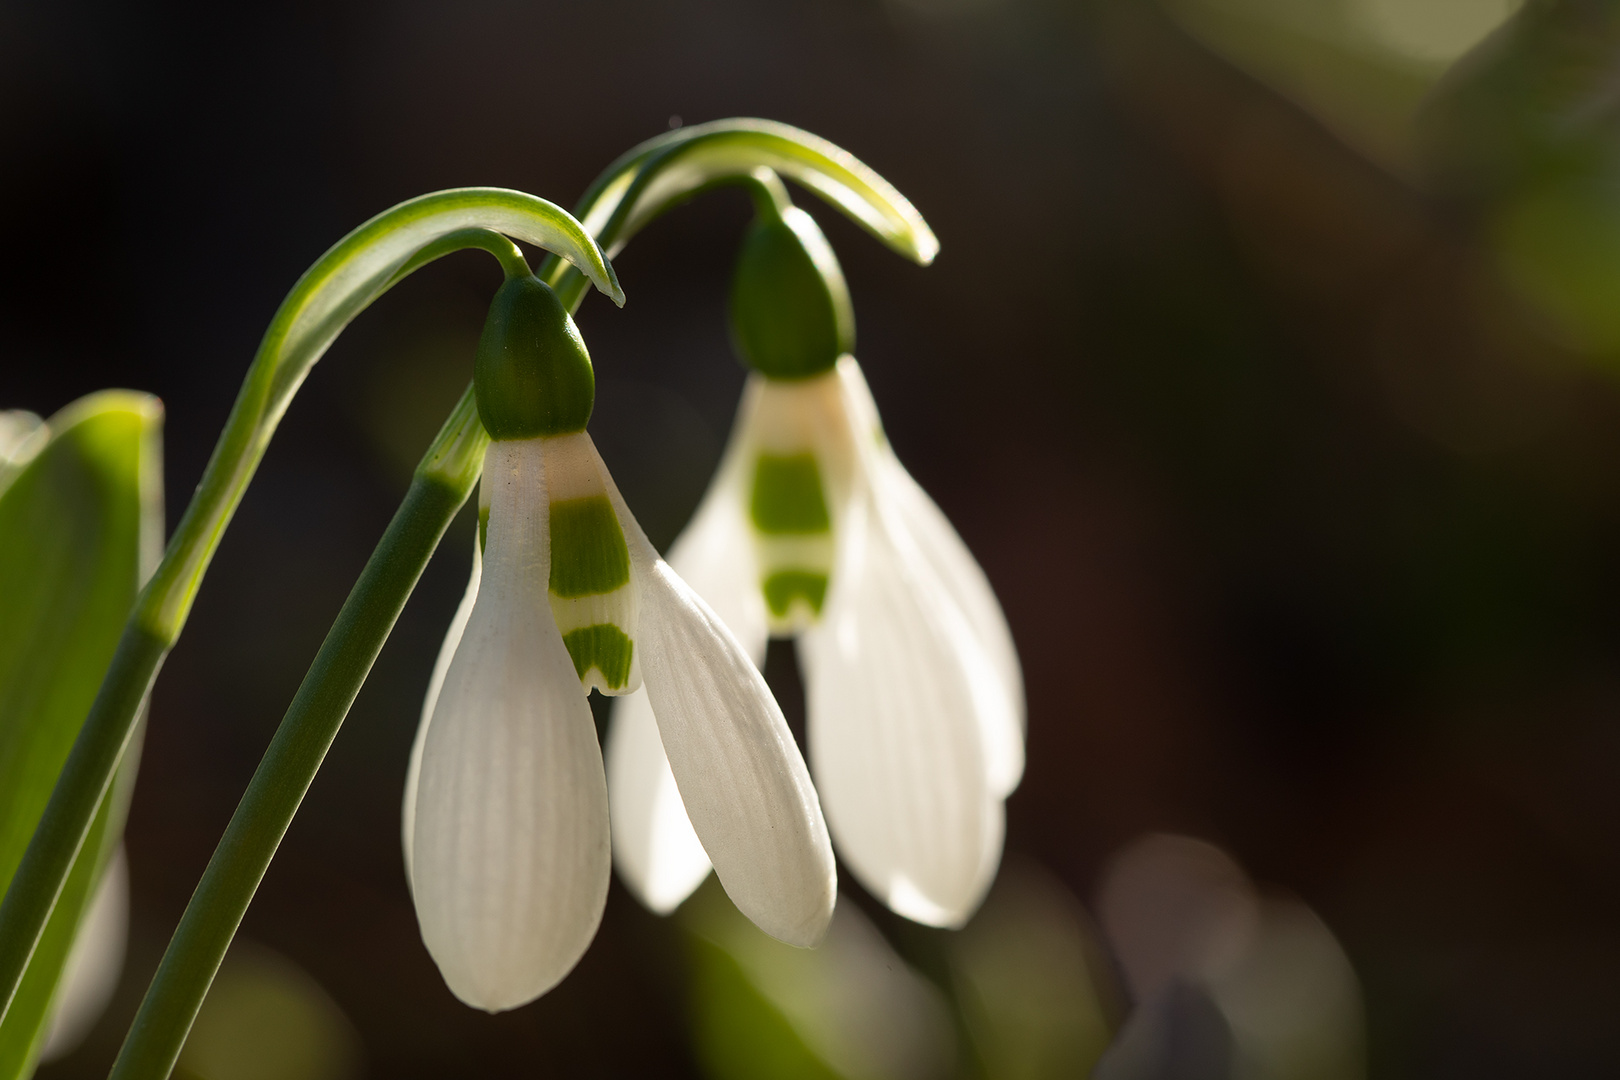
x=790, y=312
x=533, y=376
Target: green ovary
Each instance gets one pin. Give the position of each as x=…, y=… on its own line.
x=787, y=496
x=785, y=586
x=604, y=647
x=588, y=553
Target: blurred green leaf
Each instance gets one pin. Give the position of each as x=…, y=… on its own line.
x=1534, y=105
x=1522, y=134
x=265, y=1018
x=1321, y=58
x=737, y=1033
x=849, y=1008
x=1558, y=245
x=80, y=529
x=1362, y=67
x=1025, y=974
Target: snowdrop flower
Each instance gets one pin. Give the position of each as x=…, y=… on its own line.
x=506, y=813
x=812, y=528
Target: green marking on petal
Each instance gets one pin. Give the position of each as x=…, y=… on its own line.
x=787, y=495
x=785, y=586
x=588, y=553
x=604, y=647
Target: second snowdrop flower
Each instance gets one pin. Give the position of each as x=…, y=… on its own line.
x=506, y=811
x=812, y=528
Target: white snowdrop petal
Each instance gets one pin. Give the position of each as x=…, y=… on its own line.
x=511, y=852
x=658, y=855
x=441, y=665
x=960, y=577
x=895, y=735
x=740, y=775
x=714, y=554
x=745, y=786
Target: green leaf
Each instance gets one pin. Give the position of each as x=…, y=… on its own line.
x=1030, y=980
x=80, y=527
x=664, y=171
x=849, y=1008
x=737, y=1033
x=266, y=1018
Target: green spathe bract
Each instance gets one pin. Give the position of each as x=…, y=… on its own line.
x=791, y=316
x=79, y=529
x=533, y=375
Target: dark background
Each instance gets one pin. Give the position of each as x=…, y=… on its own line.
x=1306, y=528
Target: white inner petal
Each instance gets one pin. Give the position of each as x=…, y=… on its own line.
x=810, y=552
x=658, y=855
x=800, y=415
x=795, y=419
x=714, y=553
x=574, y=471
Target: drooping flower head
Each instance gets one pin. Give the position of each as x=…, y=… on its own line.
x=813, y=529
x=506, y=809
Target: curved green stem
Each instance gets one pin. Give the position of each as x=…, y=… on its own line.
x=508, y=254
x=770, y=195
x=672, y=168
x=341, y=284
x=439, y=488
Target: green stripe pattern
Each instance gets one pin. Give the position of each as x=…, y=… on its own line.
x=588, y=553
x=787, y=498
x=604, y=647
x=589, y=558
x=793, y=536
